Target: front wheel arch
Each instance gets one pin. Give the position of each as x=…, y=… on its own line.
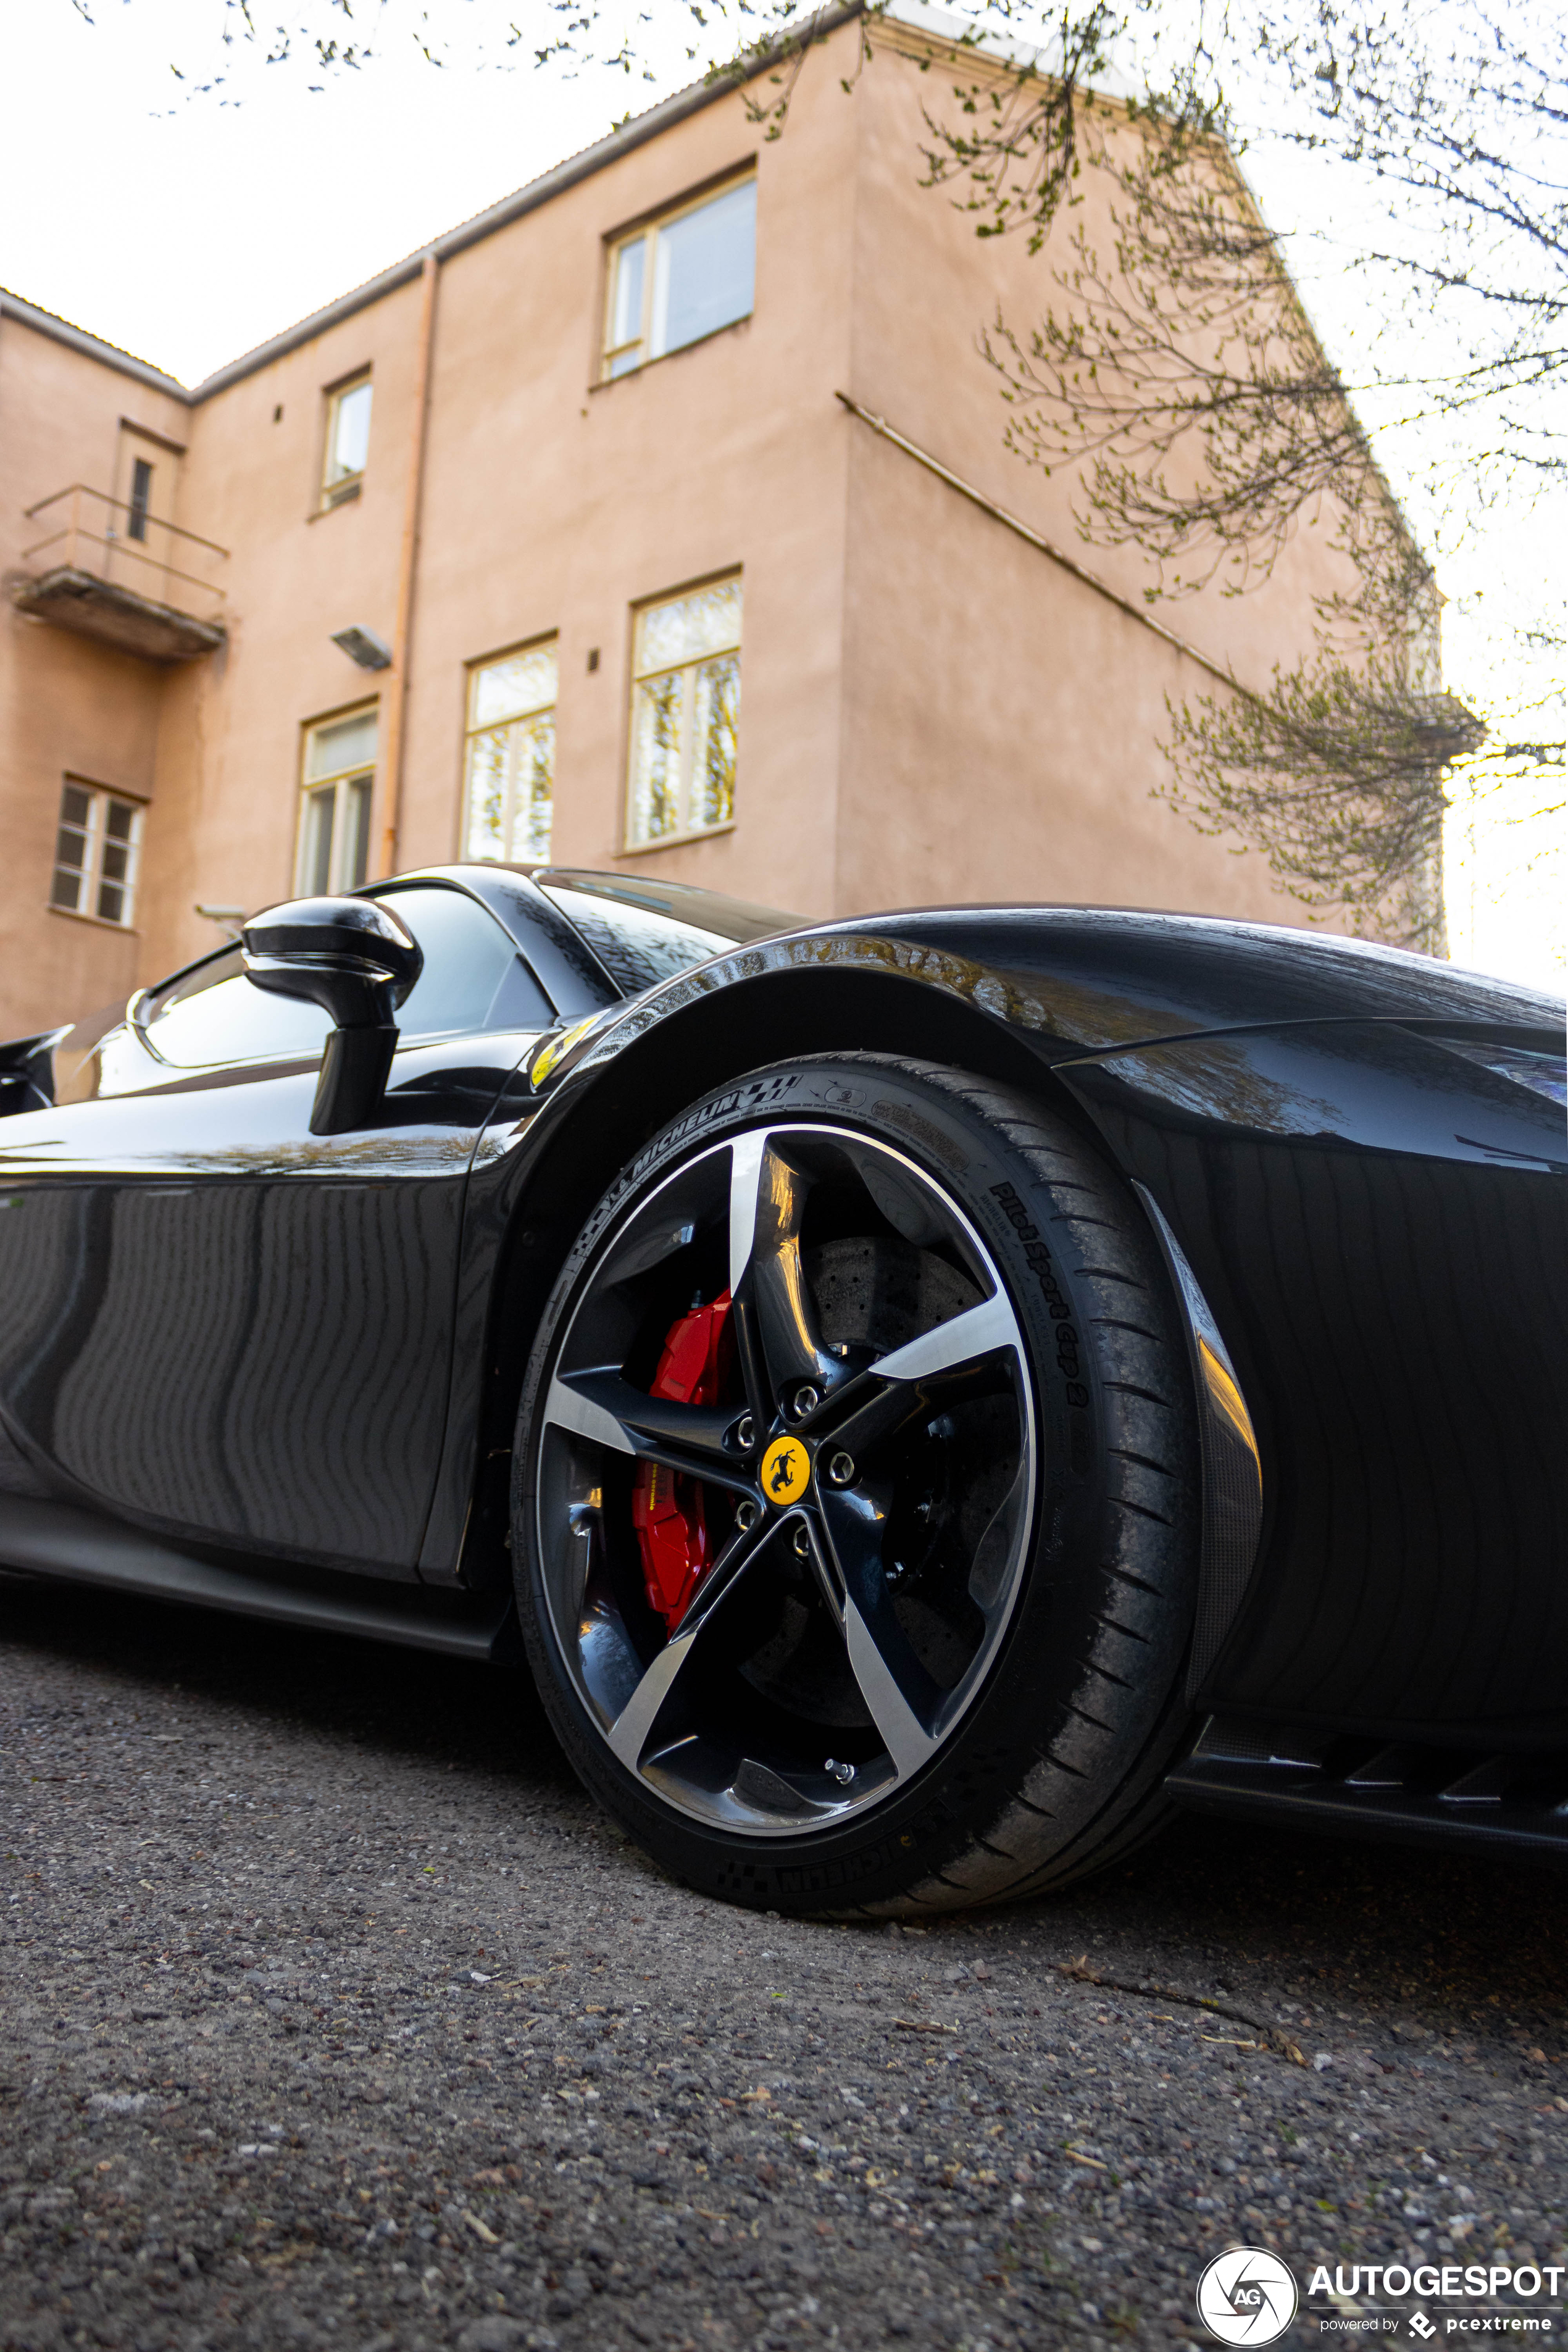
x=1068, y=1773
x=608, y=1115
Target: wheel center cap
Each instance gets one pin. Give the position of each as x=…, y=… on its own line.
x=786, y=1471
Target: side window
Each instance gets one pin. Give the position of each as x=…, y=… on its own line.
x=215, y=1014
x=473, y=977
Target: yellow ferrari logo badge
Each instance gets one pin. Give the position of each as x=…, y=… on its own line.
x=786, y=1471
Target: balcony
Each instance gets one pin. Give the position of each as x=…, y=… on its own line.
x=111, y=572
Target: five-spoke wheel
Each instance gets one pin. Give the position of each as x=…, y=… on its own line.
x=851, y=1501
x=851, y=1496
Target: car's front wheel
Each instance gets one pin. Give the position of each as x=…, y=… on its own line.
x=855, y=1496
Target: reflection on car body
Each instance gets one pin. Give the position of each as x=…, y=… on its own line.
x=257, y=1356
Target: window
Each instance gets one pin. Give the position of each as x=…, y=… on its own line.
x=334, y=820
x=510, y=771
x=686, y=712
x=96, y=854
x=348, y=441
x=643, y=934
x=683, y=278
x=215, y=1014
x=473, y=978
x=141, y=497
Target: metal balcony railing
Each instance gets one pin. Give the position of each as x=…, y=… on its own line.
x=110, y=569
x=138, y=551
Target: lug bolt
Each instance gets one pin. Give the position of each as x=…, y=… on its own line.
x=743, y=1436
x=805, y=1400
x=802, y=1542
x=841, y=1469
x=746, y=1514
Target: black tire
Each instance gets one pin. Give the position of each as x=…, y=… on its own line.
x=1066, y=1705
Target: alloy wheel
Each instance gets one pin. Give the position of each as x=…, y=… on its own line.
x=786, y=1484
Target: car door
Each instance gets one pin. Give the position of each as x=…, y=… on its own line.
x=218, y=1327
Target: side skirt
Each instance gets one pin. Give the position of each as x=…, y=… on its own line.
x=68, y=1545
x=1362, y=1787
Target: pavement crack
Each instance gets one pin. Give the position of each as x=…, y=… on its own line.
x=1272, y=2037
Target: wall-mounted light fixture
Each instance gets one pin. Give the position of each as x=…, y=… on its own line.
x=362, y=646
x=231, y=918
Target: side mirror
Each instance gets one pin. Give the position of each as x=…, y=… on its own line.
x=27, y=1071
x=354, y=959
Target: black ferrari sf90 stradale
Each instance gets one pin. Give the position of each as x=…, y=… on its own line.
x=922, y=1392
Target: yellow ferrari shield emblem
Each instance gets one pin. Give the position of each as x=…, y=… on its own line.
x=786, y=1471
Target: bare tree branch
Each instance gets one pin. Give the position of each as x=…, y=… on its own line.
x=1338, y=775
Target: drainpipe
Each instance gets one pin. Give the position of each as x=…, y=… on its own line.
x=402, y=643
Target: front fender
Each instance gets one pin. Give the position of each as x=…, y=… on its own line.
x=1381, y=1228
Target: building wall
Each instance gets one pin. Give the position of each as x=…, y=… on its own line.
x=556, y=501
x=67, y=706
x=230, y=752
x=1004, y=722
x=931, y=709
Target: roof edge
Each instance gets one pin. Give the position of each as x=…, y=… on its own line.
x=527, y=199
x=92, y=347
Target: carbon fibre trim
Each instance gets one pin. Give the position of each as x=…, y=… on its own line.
x=1367, y=1788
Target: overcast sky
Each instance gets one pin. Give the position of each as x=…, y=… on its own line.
x=189, y=228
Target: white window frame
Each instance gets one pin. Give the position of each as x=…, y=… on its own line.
x=99, y=848
x=649, y=233
x=687, y=670
x=357, y=777
x=521, y=728
x=336, y=488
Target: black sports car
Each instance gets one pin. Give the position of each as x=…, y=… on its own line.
x=925, y=1390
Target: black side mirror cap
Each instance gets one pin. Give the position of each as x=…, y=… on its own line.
x=358, y=961
x=27, y=1071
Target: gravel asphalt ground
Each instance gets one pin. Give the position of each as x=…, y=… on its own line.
x=336, y=2015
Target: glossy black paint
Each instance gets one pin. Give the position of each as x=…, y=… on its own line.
x=78, y=1546
x=316, y=1356
x=1100, y=978
x=26, y=1071
x=355, y=958
x=1326, y=1176
x=351, y=949
x=1382, y=1231
x=220, y=1327
x=570, y=973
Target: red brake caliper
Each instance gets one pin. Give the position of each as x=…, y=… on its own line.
x=666, y=1507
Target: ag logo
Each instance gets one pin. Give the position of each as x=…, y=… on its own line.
x=1246, y=2296
x=786, y=1471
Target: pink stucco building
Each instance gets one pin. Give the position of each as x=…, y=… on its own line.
x=660, y=514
